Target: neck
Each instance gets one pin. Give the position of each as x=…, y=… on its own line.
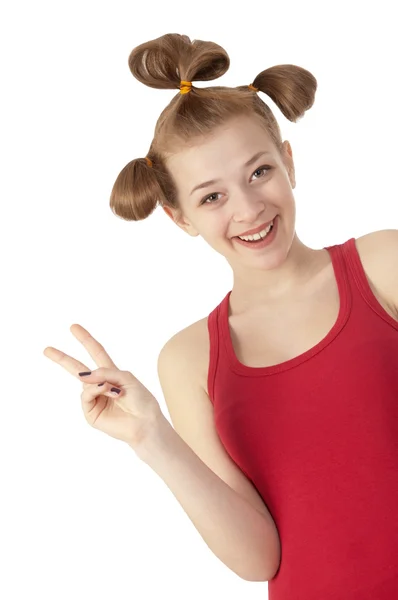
x=290, y=273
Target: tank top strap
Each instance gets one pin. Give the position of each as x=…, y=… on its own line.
x=214, y=342
x=339, y=253
x=342, y=276
x=360, y=286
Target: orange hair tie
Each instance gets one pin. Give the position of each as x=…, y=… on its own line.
x=148, y=162
x=252, y=87
x=185, y=87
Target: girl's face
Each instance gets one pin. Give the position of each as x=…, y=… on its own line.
x=241, y=196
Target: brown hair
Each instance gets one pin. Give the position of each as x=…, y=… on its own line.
x=163, y=63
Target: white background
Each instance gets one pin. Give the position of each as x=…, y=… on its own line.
x=81, y=515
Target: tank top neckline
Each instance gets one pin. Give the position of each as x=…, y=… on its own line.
x=340, y=273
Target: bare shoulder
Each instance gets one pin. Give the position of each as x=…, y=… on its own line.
x=181, y=369
x=378, y=252
x=193, y=345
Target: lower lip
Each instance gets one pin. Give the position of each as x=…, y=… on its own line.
x=265, y=242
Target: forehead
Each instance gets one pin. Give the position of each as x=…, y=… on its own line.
x=232, y=143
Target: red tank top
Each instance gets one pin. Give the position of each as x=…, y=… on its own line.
x=317, y=436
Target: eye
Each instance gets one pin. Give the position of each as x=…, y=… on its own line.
x=207, y=198
x=263, y=168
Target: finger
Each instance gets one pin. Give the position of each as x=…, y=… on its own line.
x=114, y=377
x=69, y=363
x=73, y=366
x=93, y=347
x=91, y=393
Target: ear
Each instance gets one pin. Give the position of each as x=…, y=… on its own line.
x=178, y=218
x=289, y=163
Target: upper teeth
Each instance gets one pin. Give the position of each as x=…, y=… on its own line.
x=256, y=236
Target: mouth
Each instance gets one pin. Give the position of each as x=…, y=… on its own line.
x=262, y=240
x=257, y=229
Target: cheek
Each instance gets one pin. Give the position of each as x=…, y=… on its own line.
x=221, y=231
x=216, y=234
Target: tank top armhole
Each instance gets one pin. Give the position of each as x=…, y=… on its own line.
x=212, y=326
x=361, y=280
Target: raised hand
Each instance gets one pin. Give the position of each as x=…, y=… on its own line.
x=128, y=416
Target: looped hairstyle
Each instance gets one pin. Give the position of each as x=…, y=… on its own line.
x=165, y=61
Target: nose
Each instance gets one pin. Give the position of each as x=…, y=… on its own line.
x=247, y=208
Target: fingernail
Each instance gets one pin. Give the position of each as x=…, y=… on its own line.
x=85, y=373
x=115, y=390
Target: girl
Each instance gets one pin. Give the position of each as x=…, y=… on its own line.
x=284, y=400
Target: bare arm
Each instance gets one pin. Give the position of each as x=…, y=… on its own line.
x=188, y=455
x=245, y=540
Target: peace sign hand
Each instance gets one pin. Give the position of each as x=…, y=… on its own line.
x=128, y=416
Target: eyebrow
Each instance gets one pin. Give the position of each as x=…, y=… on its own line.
x=247, y=164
